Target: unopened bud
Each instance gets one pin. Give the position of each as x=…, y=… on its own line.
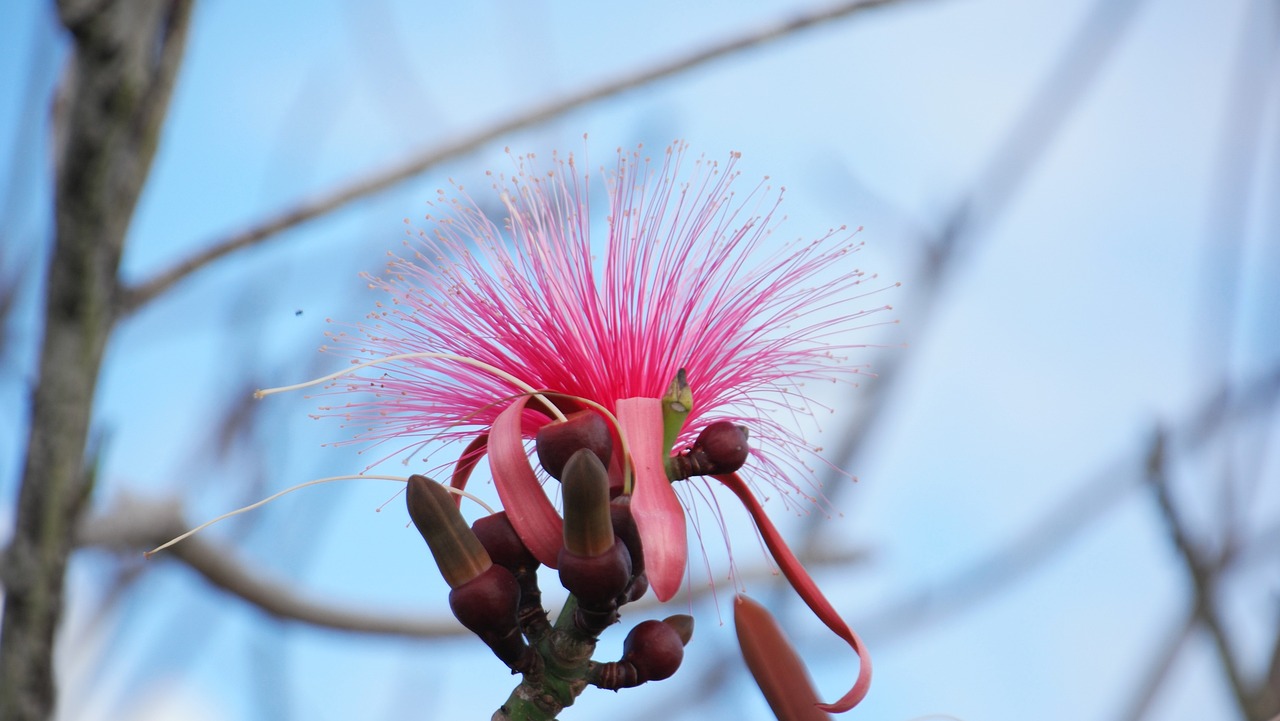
x=559, y=440
x=596, y=581
x=624, y=527
x=683, y=624
x=774, y=663
x=487, y=605
x=655, y=649
x=457, y=551
x=677, y=404
x=721, y=448
x=500, y=539
x=588, y=528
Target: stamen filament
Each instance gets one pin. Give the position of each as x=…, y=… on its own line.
x=262, y=393
x=291, y=489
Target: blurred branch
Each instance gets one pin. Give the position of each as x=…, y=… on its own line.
x=1159, y=669
x=1011, y=561
x=1065, y=520
x=1203, y=573
x=1030, y=135
x=133, y=525
x=339, y=198
x=107, y=125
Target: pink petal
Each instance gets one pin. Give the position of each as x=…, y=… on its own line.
x=774, y=663
x=808, y=591
x=526, y=504
x=467, y=463
x=659, y=516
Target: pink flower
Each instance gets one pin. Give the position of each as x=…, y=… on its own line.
x=603, y=311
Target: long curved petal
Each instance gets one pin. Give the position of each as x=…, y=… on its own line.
x=524, y=500
x=467, y=463
x=659, y=516
x=808, y=591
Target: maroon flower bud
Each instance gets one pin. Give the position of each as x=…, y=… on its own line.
x=500, y=539
x=624, y=527
x=457, y=551
x=596, y=580
x=588, y=528
x=655, y=649
x=487, y=606
x=559, y=440
x=721, y=448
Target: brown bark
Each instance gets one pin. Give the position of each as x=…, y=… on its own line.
x=113, y=102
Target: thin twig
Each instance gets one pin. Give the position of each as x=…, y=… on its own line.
x=1203, y=574
x=1159, y=670
x=383, y=180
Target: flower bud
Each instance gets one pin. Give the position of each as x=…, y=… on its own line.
x=655, y=648
x=506, y=549
x=677, y=404
x=596, y=580
x=487, y=605
x=500, y=539
x=721, y=448
x=774, y=663
x=559, y=440
x=624, y=527
x=588, y=528
x=683, y=624
x=635, y=592
x=457, y=551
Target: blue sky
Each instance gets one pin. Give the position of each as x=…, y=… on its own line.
x=1094, y=304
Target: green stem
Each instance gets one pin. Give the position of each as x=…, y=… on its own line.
x=566, y=653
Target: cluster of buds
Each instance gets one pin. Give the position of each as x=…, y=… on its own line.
x=494, y=581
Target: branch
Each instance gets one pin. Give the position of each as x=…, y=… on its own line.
x=1203, y=574
x=383, y=180
x=1065, y=520
x=1030, y=136
x=1159, y=670
x=112, y=105
x=133, y=525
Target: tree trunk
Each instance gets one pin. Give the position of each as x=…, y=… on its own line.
x=107, y=124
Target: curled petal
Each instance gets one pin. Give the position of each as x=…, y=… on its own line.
x=808, y=590
x=658, y=514
x=467, y=463
x=774, y=663
x=526, y=504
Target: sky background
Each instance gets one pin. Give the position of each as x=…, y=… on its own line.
x=1118, y=266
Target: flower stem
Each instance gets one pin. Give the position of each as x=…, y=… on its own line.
x=566, y=652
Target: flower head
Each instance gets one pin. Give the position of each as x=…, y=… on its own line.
x=493, y=332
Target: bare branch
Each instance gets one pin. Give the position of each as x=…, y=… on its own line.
x=423, y=161
x=1203, y=573
x=1067, y=519
x=1155, y=677
x=133, y=525
x=1031, y=134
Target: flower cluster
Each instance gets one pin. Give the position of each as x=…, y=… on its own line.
x=672, y=323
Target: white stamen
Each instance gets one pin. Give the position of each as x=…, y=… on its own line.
x=291, y=489
x=409, y=356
